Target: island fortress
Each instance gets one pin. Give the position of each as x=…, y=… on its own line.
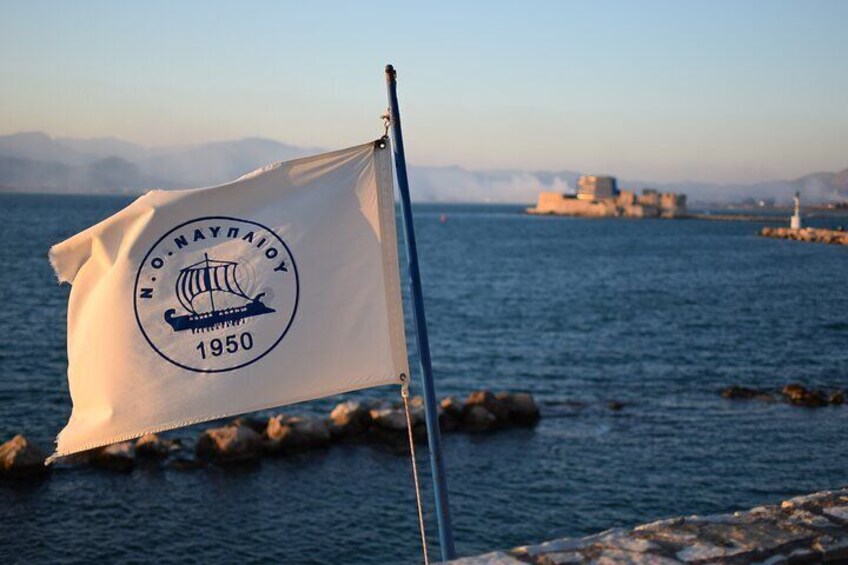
x=599, y=197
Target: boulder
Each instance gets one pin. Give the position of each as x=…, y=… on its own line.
x=801, y=396
x=19, y=459
x=186, y=464
x=736, y=392
x=390, y=419
x=476, y=418
x=389, y=424
x=255, y=424
x=291, y=434
x=229, y=445
x=118, y=457
x=491, y=403
x=520, y=407
x=350, y=418
x=450, y=414
x=151, y=446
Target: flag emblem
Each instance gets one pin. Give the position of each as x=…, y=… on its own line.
x=216, y=294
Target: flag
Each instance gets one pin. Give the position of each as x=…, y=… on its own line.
x=193, y=305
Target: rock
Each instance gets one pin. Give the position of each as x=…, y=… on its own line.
x=837, y=398
x=793, y=391
x=229, y=445
x=520, y=407
x=801, y=396
x=186, y=464
x=809, y=529
x=615, y=405
x=292, y=434
x=477, y=419
x=350, y=418
x=832, y=549
x=151, y=446
x=255, y=424
x=819, y=235
x=736, y=392
x=390, y=419
x=19, y=459
x=450, y=415
x=389, y=424
x=494, y=558
x=491, y=403
x=418, y=416
x=116, y=457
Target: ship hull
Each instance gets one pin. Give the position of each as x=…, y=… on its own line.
x=217, y=318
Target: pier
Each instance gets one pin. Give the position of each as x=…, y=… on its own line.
x=805, y=529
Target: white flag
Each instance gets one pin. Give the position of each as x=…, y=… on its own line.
x=193, y=305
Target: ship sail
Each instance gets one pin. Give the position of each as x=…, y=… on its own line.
x=207, y=276
x=211, y=276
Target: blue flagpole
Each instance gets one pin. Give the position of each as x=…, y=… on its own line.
x=440, y=487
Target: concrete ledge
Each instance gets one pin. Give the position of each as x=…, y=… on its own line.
x=805, y=529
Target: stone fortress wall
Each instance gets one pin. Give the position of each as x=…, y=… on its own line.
x=599, y=197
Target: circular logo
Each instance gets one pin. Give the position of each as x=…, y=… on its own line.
x=216, y=294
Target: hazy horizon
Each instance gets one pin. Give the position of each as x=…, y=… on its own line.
x=36, y=162
x=156, y=149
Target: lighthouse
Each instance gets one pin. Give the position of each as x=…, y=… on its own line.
x=795, y=222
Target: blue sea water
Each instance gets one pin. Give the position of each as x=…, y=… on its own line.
x=658, y=315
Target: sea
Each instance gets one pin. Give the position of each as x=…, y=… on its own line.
x=656, y=315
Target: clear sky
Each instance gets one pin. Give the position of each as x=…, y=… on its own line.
x=662, y=90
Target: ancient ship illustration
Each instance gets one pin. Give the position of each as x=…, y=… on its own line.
x=208, y=277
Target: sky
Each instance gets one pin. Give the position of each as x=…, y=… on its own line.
x=716, y=91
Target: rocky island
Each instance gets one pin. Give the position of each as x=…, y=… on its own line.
x=600, y=197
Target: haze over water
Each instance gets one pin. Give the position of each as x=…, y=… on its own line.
x=658, y=315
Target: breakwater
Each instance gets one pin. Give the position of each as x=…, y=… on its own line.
x=793, y=393
x=805, y=529
x=811, y=235
x=737, y=218
x=245, y=440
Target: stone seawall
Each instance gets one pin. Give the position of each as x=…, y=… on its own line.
x=805, y=529
x=813, y=235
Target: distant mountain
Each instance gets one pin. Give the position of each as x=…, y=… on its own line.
x=35, y=162
x=102, y=147
x=815, y=188
x=218, y=162
x=39, y=147
x=111, y=175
